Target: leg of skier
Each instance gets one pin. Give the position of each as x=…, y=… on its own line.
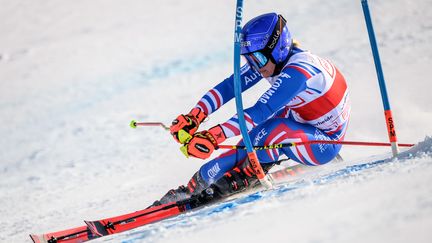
x=273, y=131
x=231, y=172
x=286, y=130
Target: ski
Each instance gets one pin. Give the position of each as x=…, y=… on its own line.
x=108, y=226
x=73, y=235
x=147, y=216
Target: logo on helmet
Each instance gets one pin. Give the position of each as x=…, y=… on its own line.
x=275, y=39
x=245, y=43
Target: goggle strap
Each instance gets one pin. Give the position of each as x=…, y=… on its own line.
x=274, y=37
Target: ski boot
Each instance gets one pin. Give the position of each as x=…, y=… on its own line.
x=195, y=186
x=236, y=180
x=239, y=179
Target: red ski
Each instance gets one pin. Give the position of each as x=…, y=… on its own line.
x=74, y=235
x=117, y=224
x=130, y=221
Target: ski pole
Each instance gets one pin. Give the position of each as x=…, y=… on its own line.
x=135, y=124
x=252, y=156
x=286, y=145
x=381, y=81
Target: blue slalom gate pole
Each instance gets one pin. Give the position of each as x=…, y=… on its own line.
x=387, y=110
x=253, y=159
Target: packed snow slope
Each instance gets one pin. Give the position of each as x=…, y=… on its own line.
x=307, y=200
x=74, y=73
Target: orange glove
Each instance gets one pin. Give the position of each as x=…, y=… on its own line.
x=188, y=123
x=202, y=144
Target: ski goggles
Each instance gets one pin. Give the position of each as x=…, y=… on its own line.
x=256, y=59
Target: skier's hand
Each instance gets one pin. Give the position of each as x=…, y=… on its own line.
x=188, y=123
x=202, y=144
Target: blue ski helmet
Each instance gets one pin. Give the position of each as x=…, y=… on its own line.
x=269, y=35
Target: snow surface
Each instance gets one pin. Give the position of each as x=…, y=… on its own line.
x=312, y=197
x=74, y=73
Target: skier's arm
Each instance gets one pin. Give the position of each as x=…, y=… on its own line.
x=291, y=82
x=211, y=101
x=224, y=91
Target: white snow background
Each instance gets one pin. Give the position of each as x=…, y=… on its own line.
x=74, y=73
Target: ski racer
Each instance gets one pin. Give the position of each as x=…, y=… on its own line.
x=308, y=100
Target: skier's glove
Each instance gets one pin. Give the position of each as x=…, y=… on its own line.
x=202, y=144
x=188, y=123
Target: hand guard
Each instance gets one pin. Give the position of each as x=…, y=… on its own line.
x=188, y=123
x=202, y=144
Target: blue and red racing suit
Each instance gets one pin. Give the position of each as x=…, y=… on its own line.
x=308, y=100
